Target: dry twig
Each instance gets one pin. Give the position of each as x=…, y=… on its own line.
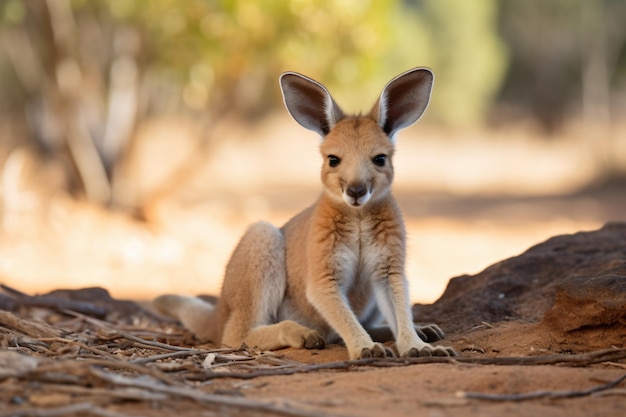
x=582, y=359
x=542, y=394
x=83, y=408
x=82, y=345
x=237, y=403
x=154, y=343
x=28, y=327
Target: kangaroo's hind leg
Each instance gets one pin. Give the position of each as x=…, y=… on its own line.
x=254, y=289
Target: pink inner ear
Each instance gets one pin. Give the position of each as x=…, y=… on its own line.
x=404, y=99
x=309, y=103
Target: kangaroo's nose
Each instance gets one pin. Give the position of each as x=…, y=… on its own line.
x=357, y=191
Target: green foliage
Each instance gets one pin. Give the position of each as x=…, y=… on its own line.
x=201, y=54
x=83, y=74
x=234, y=50
x=12, y=12
x=230, y=52
x=469, y=58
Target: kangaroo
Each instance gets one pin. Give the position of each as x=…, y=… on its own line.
x=337, y=268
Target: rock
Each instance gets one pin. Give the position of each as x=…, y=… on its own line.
x=586, y=301
x=586, y=271
x=99, y=299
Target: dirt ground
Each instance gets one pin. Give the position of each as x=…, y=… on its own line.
x=80, y=352
x=441, y=390
x=130, y=364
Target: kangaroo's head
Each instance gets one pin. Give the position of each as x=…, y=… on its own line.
x=358, y=150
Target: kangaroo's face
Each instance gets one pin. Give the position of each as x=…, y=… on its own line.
x=357, y=150
x=357, y=166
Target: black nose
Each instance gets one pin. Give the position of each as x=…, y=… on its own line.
x=357, y=191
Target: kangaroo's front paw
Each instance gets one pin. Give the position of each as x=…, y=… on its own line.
x=296, y=335
x=429, y=332
x=429, y=350
x=306, y=338
x=377, y=350
x=313, y=340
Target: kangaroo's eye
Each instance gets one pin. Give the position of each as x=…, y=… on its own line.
x=333, y=160
x=379, y=160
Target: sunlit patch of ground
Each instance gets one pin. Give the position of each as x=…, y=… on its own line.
x=468, y=203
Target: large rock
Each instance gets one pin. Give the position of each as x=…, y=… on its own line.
x=587, y=301
x=578, y=279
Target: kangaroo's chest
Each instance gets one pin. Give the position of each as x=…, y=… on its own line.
x=360, y=257
x=360, y=253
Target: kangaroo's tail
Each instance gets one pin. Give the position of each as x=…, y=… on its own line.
x=195, y=314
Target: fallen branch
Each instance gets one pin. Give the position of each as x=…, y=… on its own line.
x=541, y=394
x=154, y=343
x=177, y=354
x=128, y=393
x=201, y=397
x=72, y=409
x=582, y=359
x=60, y=371
x=30, y=328
x=81, y=345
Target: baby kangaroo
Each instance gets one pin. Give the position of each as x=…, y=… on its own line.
x=336, y=269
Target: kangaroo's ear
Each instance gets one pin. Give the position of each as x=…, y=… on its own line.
x=403, y=100
x=309, y=103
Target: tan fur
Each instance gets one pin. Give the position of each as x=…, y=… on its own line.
x=335, y=268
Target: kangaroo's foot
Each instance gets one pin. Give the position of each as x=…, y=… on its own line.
x=286, y=333
x=429, y=350
x=429, y=332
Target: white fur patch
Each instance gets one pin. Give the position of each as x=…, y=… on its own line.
x=361, y=201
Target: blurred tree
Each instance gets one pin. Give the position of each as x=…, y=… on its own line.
x=77, y=85
x=563, y=53
x=87, y=72
x=467, y=55
x=603, y=67
x=568, y=62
